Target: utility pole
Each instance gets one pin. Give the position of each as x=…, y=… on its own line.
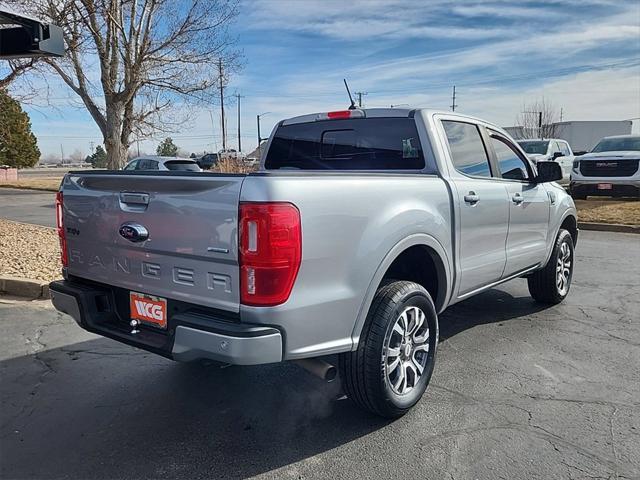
x=259, y=137
x=238, y=96
x=539, y=123
x=91, y=146
x=61, y=155
x=360, y=95
x=453, y=100
x=224, y=133
x=561, y=113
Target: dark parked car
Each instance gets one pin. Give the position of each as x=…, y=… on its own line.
x=208, y=161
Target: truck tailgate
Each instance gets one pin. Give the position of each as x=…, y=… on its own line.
x=191, y=251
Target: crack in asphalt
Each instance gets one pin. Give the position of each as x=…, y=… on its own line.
x=532, y=428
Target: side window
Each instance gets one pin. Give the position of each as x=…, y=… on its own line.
x=564, y=148
x=467, y=149
x=511, y=165
x=132, y=165
x=152, y=165
x=554, y=147
x=142, y=164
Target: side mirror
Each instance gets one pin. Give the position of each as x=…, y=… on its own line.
x=548, y=172
x=557, y=154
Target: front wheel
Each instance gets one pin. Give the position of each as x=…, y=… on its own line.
x=392, y=366
x=552, y=283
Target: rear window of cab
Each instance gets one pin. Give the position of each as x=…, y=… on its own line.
x=390, y=143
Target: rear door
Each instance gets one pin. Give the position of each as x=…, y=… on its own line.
x=529, y=206
x=191, y=219
x=483, y=213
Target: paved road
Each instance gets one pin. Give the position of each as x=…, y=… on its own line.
x=29, y=206
x=519, y=391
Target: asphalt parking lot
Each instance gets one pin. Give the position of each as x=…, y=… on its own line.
x=28, y=206
x=519, y=391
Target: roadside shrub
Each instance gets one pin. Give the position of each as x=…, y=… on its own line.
x=234, y=165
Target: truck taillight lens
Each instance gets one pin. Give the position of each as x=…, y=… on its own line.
x=270, y=250
x=61, y=233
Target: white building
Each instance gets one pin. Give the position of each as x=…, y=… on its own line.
x=582, y=135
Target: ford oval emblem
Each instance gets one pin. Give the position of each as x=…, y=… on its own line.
x=133, y=232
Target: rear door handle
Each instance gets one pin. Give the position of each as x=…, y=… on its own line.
x=517, y=198
x=471, y=198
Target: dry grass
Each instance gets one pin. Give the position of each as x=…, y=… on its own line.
x=47, y=183
x=29, y=251
x=231, y=165
x=626, y=212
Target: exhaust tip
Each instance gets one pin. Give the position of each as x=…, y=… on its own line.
x=331, y=374
x=319, y=368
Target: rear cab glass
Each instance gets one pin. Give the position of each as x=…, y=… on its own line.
x=380, y=143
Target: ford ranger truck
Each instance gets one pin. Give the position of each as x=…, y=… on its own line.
x=360, y=228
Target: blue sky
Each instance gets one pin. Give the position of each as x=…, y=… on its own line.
x=583, y=56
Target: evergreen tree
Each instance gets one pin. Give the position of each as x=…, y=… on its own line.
x=167, y=148
x=18, y=145
x=99, y=158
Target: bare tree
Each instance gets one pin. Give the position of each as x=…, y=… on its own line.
x=538, y=120
x=10, y=70
x=76, y=156
x=133, y=62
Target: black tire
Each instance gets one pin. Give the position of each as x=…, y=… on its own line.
x=364, y=371
x=543, y=284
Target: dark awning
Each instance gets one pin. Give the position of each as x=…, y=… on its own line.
x=26, y=37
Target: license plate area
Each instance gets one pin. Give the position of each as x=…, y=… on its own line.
x=148, y=310
x=605, y=186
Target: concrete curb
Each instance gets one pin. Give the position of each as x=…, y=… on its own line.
x=24, y=287
x=609, y=227
x=26, y=187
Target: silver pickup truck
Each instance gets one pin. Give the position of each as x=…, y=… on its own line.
x=360, y=227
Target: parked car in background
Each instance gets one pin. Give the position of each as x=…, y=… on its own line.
x=551, y=150
x=610, y=169
x=154, y=162
x=361, y=227
x=208, y=161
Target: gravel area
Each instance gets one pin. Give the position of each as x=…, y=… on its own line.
x=29, y=251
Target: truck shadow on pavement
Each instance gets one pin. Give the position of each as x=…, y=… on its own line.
x=492, y=306
x=99, y=409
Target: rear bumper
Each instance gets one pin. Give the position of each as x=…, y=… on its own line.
x=191, y=335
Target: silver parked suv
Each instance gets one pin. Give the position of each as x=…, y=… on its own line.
x=610, y=169
x=359, y=229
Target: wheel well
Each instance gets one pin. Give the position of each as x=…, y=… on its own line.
x=422, y=265
x=571, y=225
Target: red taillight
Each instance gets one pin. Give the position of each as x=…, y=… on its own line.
x=270, y=249
x=61, y=233
x=339, y=114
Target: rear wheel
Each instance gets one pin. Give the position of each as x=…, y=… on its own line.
x=392, y=366
x=552, y=283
